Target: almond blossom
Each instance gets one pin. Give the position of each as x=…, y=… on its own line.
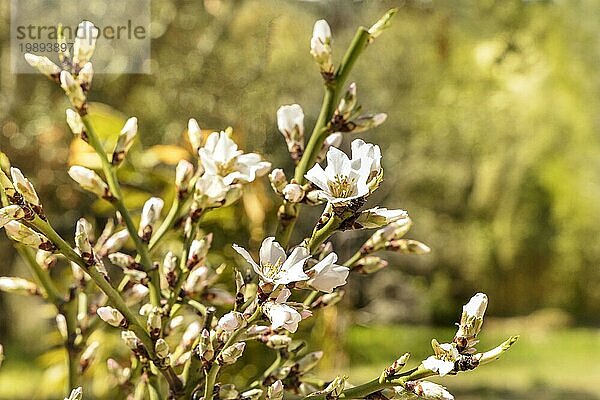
x=326, y=275
x=275, y=266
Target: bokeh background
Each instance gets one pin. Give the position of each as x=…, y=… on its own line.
x=492, y=145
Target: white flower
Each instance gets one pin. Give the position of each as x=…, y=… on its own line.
x=282, y=315
x=378, y=217
x=445, y=356
x=85, y=43
x=212, y=191
x=111, y=316
x=333, y=140
x=476, y=307
x=427, y=390
x=278, y=180
x=220, y=156
x=293, y=193
x=89, y=180
x=24, y=187
x=471, y=321
x=10, y=213
x=194, y=134
x=327, y=275
x=275, y=267
x=75, y=122
x=150, y=214
x=43, y=64
x=17, y=285
x=345, y=179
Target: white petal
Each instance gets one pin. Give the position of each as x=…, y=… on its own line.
x=317, y=176
x=244, y=253
x=271, y=252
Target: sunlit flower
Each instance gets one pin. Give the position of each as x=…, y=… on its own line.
x=326, y=275
x=345, y=179
x=212, y=191
x=220, y=157
x=443, y=361
x=282, y=316
x=275, y=267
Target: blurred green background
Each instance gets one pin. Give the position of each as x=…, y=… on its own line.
x=492, y=145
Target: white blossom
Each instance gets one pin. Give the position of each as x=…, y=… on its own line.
x=345, y=179
x=293, y=193
x=212, y=191
x=231, y=321
x=194, y=134
x=150, y=214
x=427, y=390
x=274, y=266
x=75, y=122
x=320, y=45
x=85, y=43
x=183, y=173
x=86, y=75
x=24, y=187
x=220, y=157
x=443, y=361
x=282, y=316
x=290, y=121
x=326, y=275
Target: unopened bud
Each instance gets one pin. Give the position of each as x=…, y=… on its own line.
x=394, y=231
x=111, y=316
x=130, y=339
x=429, y=390
x=275, y=391
x=329, y=299
x=194, y=135
x=408, y=246
x=290, y=121
x=198, y=250
x=122, y=260
x=88, y=355
x=320, y=46
x=370, y=264
x=18, y=286
x=205, y=347
x=378, y=217
x=10, y=213
x=333, y=140
x=23, y=234
x=90, y=181
x=73, y=89
x=394, y=368
x=190, y=334
x=82, y=237
x=125, y=140
x=381, y=24
x=252, y=394
x=366, y=122
x=85, y=43
x=293, y=193
x=309, y=361
x=154, y=322
x=23, y=186
x=61, y=326
x=86, y=75
x=75, y=123
x=161, y=348
x=348, y=102
x=278, y=341
x=183, y=175
x=228, y=392
x=150, y=215
x=231, y=321
x=278, y=180
x=43, y=65
x=471, y=321
x=115, y=242
x=231, y=354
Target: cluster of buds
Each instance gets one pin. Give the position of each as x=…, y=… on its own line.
x=75, y=73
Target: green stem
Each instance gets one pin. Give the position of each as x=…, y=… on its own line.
x=321, y=235
x=290, y=212
x=42, y=276
x=354, y=259
x=113, y=184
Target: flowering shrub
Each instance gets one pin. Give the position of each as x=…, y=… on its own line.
x=180, y=323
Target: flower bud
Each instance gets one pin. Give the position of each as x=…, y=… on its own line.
x=87, y=356
x=429, y=390
x=408, y=246
x=320, y=46
x=231, y=354
x=76, y=394
x=329, y=299
x=378, y=217
x=22, y=234
x=122, y=260
x=394, y=231
x=198, y=250
x=290, y=121
x=10, y=213
x=90, y=181
x=183, y=175
x=336, y=387
x=161, y=348
x=75, y=123
x=154, y=322
x=18, y=286
x=293, y=193
x=61, y=326
x=275, y=391
x=278, y=180
x=150, y=215
x=82, y=238
x=194, y=135
x=231, y=321
x=366, y=122
x=125, y=140
x=369, y=265
x=309, y=361
x=114, y=242
x=381, y=24
x=278, y=341
x=86, y=75
x=347, y=103
x=1, y=354
x=196, y=280
x=495, y=353
x=130, y=339
x=252, y=394
x=111, y=316
x=190, y=334
x=471, y=321
x=137, y=293
x=85, y=43
x=394, y=368
x=43, y=65
x=333, y=140
x=228, y=392
x=23, y=186
x=73, y=89
x=7, y=185
x=170, y=269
